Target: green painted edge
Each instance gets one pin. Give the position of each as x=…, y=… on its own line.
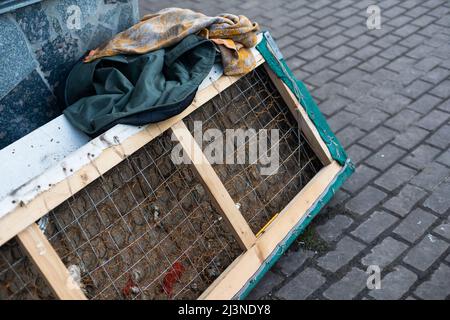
x=283, y=72
x=337, y=152
x=344, y=173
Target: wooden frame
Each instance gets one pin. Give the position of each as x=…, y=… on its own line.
x=21, y=221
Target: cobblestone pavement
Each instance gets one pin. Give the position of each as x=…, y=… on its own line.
x=386, y=93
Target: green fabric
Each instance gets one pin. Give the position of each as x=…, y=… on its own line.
x=137, y=89
x=337, y=152
x=281, y=69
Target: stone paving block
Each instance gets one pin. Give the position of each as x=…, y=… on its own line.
x=439, y=201
x=351, y=76
x=322, y=77
x=425, y=103
x=430, y=177
x=394, y=103
x=314, y=52
x=406, y=199
x=375, y=225
x=302, y=286
x=266, y=285
x=442, y=89
x=441, y=138
x=340, y=120
x=421, y=156
x=335, y=42
x=401, y=63
x=436, y=75
x=412, y=41
x=339, y=198
x=348, y=287
x=333, y=104
x=384, y=253
x=373, y=64
x=368, y=198
x=438, y=287
x=410, y=138
x=385, y=157
x=363, y=174
x=346, y=250
x=317, y=65
x=345, y=64
x=339, y=53
x=443, y=230
x=371, y=119
x=445, y=158
x=402, y=120
x=393, y=51
x=417, y=88
x=292, y=261
x=424, y=254
x=333, y=228
x=308, y=42
x=433, y=119
x=349, y=135
x=415, y=225
x=395, y=177
x=445, y=106
x=378, y=137
x=395, y=284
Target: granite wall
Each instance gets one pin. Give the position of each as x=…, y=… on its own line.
x=39, y=44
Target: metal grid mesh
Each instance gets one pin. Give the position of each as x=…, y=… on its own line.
x=19, y=278
x=254, y=103
x=145, y=230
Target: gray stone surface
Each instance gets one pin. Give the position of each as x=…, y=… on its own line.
x=395, y=284
x=439, y=201
x=438, y=287
x=366, y=200
x=386, y=95
x=302, y=286
x=395, y=177
x=432, y=176
x=334, y=227
x=264, y=287
x=443, y=230
x=425, y=253
x=348, y=287
x=292, y=261
x=384, y=253
x=405, y=200
x=376, y=224
x=415, y=225
x=346, y=250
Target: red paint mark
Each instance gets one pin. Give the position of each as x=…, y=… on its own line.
x=172, y=277
x=126, y=290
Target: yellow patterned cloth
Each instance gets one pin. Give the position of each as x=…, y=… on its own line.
x=234, y=35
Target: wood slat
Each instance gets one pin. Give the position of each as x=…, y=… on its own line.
x=233, y=279
x=305, y=124
x=49, y=264
x=215, y=187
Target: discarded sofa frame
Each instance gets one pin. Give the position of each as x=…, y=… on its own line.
x=260, y=251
